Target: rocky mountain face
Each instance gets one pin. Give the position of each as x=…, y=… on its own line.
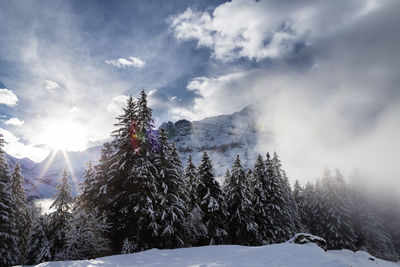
x=223, y=137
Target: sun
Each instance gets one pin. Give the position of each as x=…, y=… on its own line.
x=64, y=135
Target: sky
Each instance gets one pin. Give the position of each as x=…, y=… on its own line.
x=325, y=74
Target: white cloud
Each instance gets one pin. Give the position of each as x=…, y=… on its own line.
x=51, y=86
x=14, y=121
x=7, y=97
x=74, y=109
x=123, y=63
x=18, y=149
x=117, y=104
x=261, y=29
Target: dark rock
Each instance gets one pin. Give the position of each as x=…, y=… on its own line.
x=304, y=238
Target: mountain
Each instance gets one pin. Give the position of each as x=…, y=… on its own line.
x=222, y=137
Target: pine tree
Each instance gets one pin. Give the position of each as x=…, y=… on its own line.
x=195, y=213
x=86, y=236
x=241, y=223
x=175, y=158
x=88, y=191
x=100, y=184
x=23, y=212
x=212, y=204
x=290, y=219
x=278, y=225
x=191, y=182
x=131, y=187
x=173, y=223
x=38, y=244
x=259, y=200
x=369, y=230
x=305, y=202
x=337, y=229
x=293, y=209
x=9, y=241
x=59, y=219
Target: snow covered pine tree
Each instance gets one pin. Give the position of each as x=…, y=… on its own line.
x=241, y=224
x=60, y=218
x=212, y=204
x=9, y=241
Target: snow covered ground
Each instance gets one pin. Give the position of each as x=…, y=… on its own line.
x=228, y=255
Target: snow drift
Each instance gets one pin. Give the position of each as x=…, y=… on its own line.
x=284, y=254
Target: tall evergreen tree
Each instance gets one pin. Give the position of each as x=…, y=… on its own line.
x=59, y=219
x=298, y=192
x=212, y=204
x=39, y=247
x=293, y=209
x=22, y=210
x=195, y=213
x=259, y=200
x=305, y=199
x=279, y=227
x=191, y=181
x=241, y=224
x=88, y=191
x=100, y=185
x=173, y=222
x=368, y=227
x=290, y=218
x=337, y=229
x=132, y=188
x=9, y=241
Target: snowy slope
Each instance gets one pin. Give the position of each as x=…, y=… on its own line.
x=236, y=256
x=222, y=137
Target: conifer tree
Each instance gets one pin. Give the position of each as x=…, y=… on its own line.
x=297, y=192
x=59, y=219
x=293, y=209
x=173, y=222
x=337, y=229
x=132, y=188
x=259, y=200
x=38, y=244
x=191, y=181
x=88, y=191
x=9, y=241
x=369, y=230
x=241, y=224
x=102, y=172
x=195, y=213
x=86, y=236
x=212, y=204
x=305, y=202
x=290, y=215
x=22, y=210
x=279, y=227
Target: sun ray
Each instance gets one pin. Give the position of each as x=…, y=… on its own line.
x=70, y=168
x=48, y=164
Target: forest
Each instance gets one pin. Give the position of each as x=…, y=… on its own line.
x=141, y=196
